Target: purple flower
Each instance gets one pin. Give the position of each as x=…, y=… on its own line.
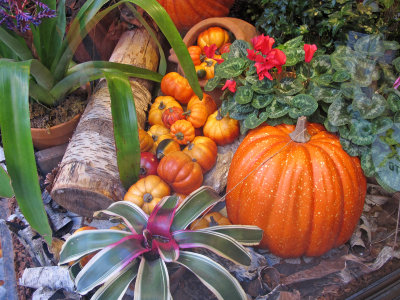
x=18, y=15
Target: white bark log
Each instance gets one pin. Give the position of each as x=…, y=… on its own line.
x=88, y=178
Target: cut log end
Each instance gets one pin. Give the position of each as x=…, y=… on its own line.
x=93, y=201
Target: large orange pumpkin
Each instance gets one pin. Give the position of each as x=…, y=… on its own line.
x=307, y=195
x=186, y=13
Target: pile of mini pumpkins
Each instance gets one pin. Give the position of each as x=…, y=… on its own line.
x=205, y=65
x=180, y=145
x=306, y=194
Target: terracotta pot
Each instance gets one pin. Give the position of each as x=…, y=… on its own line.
x=239, y=28
x=56, y=135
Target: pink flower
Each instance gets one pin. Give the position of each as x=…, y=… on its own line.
x=396, y=83
x=309, y=52
x=210, y=50
x=263, y=43
x=230, y=85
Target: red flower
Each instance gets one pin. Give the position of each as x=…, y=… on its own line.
x=251, y=54
x=210, y=50
x=277, y=58
x=263, y=43
x=262, y=70
x=230, y=85
x=309, y=52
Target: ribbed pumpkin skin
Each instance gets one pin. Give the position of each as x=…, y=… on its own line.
x=186, y=13
x=307, y=198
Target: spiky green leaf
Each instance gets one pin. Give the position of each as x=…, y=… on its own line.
x=152, y=281
x=88, y=241
x=193, y=206
x=213, y=276
x=134, y=217
x=117, y=285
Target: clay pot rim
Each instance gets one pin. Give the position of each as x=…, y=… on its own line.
x=225, y=22
x=55, y=127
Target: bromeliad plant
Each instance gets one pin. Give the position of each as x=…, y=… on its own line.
x=45, y=72
x=151, y=242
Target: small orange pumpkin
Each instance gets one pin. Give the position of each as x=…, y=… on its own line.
x=167, y=146
x=206, y=69
x=213, y=35
x=156, y=131
x=182, y=131
x=222, y=130
x=307, y=194
x=204, y=151
x=171, y=115
x=180, y=172
x=177, y=86
x=195, y=54
x=147, y=192
x=161, y=103
x=146, y=141
x=207, y=101
x=211, y=219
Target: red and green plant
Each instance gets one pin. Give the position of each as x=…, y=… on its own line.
x=152, y=242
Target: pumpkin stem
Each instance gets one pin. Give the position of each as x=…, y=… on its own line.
x=187, y=113
x=161, y=106
x=212, y=222
x=219, y=116
x=143, y=171
x=190, y=146
x=155, y=138
x=147, y=197
x=300, y=133
x=179, y=135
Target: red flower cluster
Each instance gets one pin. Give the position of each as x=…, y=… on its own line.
x=265, y=56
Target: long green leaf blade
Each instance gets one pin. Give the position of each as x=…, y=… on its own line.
x=162, y=68
x=15, y=44
x=116, y=286
x=195, y=204
x=6, y=190
x=152, y=281
x=17, y=141
x=88, y=241
x=49, y=35
x=108, y=262
x=221, y=244
x=167, y=27
x=245, y=234
x=213, y=276
x=134, y=217
x=125, y=128
x=93, y=70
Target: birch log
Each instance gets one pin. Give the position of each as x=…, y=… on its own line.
x=88, y=178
